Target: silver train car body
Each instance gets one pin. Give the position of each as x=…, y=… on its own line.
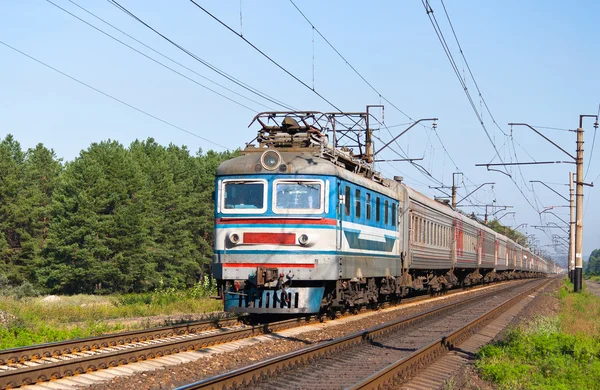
x=297, y=231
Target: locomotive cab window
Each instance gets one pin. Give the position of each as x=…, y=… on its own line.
x=243, y=196
x=347, y=200
x=298, y=196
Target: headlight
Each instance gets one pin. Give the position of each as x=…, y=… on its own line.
x=270, y=160
x=234, y=238
x=303, y=239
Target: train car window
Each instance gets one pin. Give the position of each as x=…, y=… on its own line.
x=244, y=196
x=386, y=212
x=429, y=235
x=444, y=237
x=377, y=209
x=416, y=227
x=298, y=196
x=368, y=206
x=393, y=214
x=357, y=207
x=347, y=200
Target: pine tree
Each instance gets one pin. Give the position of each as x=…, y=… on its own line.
x=97, y=242
x=11, y=181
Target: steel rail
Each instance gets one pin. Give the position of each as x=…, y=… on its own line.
x=249, y=375
x=55, y=349
x=56, y=360
x=408, y=366
x=64, y=366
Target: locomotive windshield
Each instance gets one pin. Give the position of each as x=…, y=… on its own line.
x=244, y=196
x=298, y=195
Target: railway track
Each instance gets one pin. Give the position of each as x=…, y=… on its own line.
x=383, y=356
x=40, y=363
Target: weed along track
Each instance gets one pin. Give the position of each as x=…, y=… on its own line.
x=386, y=355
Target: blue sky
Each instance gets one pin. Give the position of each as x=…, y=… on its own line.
x=534, y=62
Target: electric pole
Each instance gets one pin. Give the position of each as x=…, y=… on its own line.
x=571, y=228
x=454, y=189
x=578, y=279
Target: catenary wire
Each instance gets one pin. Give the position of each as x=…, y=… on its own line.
x=592, y=150
x=373, y=87
x=264, y=55
x=448, y=53
x=112, y=97
x=202, y=61
x=160, y=63
x=152, y=49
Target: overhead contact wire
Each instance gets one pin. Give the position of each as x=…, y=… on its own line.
x=202, y=61
x=150, y=48
x=158, y=62
x=265, y=55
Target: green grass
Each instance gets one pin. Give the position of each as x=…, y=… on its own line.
x=595, y=278
x=561, y=352
x=34, y=321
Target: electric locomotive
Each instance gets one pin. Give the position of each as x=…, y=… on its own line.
x=302, y=224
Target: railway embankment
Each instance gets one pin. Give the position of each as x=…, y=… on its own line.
x=275, y=345
x=556, y=344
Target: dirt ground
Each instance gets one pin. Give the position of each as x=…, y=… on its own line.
x=593, y=287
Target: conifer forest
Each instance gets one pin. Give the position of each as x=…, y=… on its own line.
x=116, y=219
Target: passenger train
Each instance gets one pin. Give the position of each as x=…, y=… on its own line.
x=303, y=226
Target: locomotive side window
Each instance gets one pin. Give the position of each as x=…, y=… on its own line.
x=393, y=214
x=385, y=212
x=244, y=196
x=377, y=209
x=347, y=200
x=368, y=206
x=357, y=207
x=298, y=196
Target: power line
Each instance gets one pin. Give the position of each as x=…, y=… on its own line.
x=373, y=87
x=202, y=61
x=448, y=52
x=112, y=97
x=149, y=48
x=349, y=64
x=469, y=69
x=264, y=54
x=160, y=63
x=592, y=151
